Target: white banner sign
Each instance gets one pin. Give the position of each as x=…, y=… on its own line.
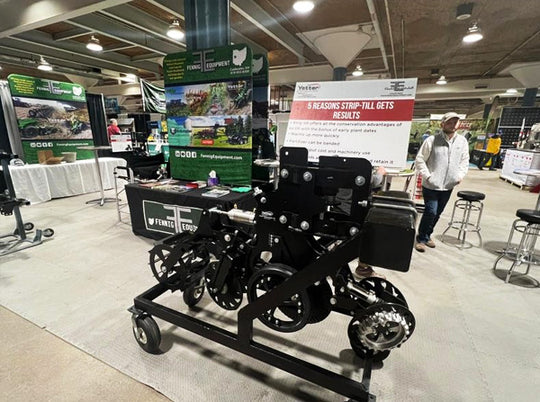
x=362, y=119
x=121, y=142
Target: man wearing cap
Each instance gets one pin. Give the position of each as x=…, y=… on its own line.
x=443, y=161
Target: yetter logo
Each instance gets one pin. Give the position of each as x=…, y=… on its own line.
x=308, y=87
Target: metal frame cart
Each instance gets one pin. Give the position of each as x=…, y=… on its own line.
x=9, y=205
x=285, y=256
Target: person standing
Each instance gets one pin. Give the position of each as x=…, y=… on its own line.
x=492, y=151
x=113, y=129
x=443, y=161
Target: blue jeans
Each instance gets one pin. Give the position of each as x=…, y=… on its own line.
x=434, y=202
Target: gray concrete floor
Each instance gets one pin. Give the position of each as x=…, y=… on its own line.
x=37, y=365
x=476, y=337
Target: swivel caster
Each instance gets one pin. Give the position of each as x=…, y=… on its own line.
x=146, y=333
x=193, y=294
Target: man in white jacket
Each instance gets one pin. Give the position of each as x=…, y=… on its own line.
x=443, y=161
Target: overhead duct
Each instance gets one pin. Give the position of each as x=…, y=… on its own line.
x=350, y=45
x=352, y=40
x=526, y=73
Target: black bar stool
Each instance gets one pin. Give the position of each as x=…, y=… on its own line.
x=528, y=223
x=470, y=202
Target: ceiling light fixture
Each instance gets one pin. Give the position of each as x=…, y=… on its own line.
x=442, y=80
x=511, y=91
x=303, y=6
x=474, y=34
x=358, y=72
x=43, y=65
x=464, y=11
x=174, y=31
x=94, y=45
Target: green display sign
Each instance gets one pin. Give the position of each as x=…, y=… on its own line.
x=21, y=85
x=170, y=219
x=195, y=164
x=208, y=65
x=209, y=107
x=32, y=148
x=52, y=116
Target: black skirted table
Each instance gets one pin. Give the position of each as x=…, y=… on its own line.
x=160, y=213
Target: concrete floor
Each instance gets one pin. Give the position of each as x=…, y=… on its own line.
x=37, y=365
x=476, y=337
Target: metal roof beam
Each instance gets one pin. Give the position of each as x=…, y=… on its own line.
x=29, y=14
x=123, y=32
x=115, y=48
x=58, y=58
x=173, y=7
x=141, y=20
x=266, y=23
x=38, y=42
x=72, y=33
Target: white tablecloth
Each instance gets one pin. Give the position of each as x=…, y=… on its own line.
x=40, y=183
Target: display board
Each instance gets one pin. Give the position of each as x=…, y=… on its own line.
x=209, y=118
x=367, y=119
x=52, y=116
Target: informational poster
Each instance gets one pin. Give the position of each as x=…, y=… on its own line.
x=209, y=119
x=363, y=119
x=52, y=116
x=121, y=142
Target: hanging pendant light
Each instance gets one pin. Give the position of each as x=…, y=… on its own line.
x=175, y=31
x=442, y=80
x=474, y=34
x=94, y=45
x=43, y=65
x=358, y=72
x=303, y=6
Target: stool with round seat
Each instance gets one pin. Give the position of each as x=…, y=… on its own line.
x=528, y=224
x=470, y=202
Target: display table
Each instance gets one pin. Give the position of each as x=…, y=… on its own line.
x=158, y=213
x=519, y=160
x=40, y=183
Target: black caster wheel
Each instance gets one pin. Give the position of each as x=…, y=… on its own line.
x=193, y=294
x=147, y=334
x=48, y=232
x=28, y=226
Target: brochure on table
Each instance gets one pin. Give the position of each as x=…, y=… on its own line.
x=365, y=119
x=208, y=99
x=52, y=117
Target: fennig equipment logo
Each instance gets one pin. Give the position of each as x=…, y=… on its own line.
x=397, y=86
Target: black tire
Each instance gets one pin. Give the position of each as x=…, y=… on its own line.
x=48, y=232
x=147, y=334
x=28, y=226
x=193, y=294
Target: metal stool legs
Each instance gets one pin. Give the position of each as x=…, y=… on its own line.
x=464, y=224
x=524, y=253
